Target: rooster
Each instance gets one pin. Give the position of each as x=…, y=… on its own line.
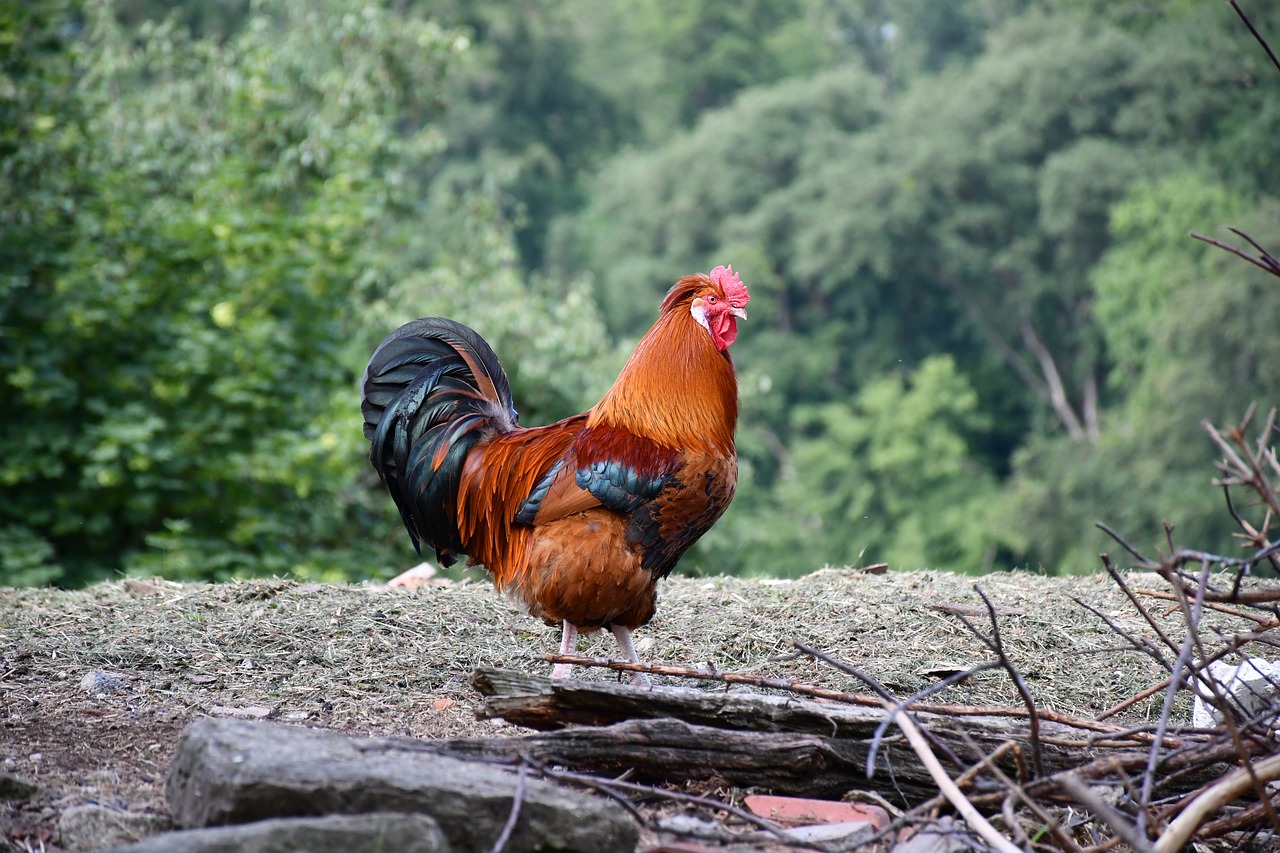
x=577, y=520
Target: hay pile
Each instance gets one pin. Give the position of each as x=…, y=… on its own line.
x=372, y=660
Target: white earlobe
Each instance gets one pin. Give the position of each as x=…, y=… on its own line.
x=699, y=311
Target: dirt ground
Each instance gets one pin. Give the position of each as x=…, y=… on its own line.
x=372, y=660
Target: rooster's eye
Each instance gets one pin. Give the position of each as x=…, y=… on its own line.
x=711, y=299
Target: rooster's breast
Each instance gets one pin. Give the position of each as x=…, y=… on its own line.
x=584, y=570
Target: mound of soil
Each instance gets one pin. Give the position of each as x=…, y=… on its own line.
x=96, y=684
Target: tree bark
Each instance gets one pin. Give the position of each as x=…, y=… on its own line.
x=785, y=744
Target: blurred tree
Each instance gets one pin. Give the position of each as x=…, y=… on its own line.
x=894, y=477
x=43, y=150
x=1190, y=327
x=216, y=19
x=525, y=124
x=177, y=378
x=889, y=476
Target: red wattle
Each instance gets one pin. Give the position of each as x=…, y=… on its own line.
x=724, y=331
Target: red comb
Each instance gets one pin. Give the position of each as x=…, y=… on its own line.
x=734, y=289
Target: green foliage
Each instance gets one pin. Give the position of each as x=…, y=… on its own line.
x=1153, y=260
x=551, y=340
x=177, y=375
x=977, y=322
x=525, y=123
x=1191, y=329
x=892, y=476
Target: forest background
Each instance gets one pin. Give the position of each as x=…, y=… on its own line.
x=977, y=325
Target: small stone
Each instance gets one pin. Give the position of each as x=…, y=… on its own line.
x=97, y=683
x=94, y=827
x=246, y=712
x=14, y=788
x=138, y=586
x=102, y=776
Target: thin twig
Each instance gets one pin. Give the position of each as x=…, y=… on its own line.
x=1263, y=622
x=1219, y=794
x=911, y=702
x=1256, y=35
x=1087, y=797
x=996, y=645
x=953, y=794
x=517, y=800
x=1139, y=644
x=895, y=708
x=860, y=699
x=1239, y=253
x=1241, y=819
x=1051, y=824
x=728, y=677
x=1142, y=610
x=1133, y=700
x=1138, y=555
x=1175, y=682
x=1011, y=821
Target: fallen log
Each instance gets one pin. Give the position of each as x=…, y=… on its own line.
x=781, y=743
x=673, y=751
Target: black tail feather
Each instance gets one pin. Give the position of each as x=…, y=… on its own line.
x=432, y=390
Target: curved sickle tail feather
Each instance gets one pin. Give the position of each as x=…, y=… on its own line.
x=433, y=390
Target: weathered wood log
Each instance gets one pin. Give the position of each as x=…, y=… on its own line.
x=544, y=704
x=667, y=750
x=785, y=744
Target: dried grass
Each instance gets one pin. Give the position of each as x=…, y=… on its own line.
x=368, y=658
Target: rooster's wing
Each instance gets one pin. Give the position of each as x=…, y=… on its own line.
x=671, y=496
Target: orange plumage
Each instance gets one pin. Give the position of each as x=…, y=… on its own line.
x=578, y=519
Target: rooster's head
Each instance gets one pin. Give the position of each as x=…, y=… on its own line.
x=715, y=301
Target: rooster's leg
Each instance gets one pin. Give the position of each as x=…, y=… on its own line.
x=623, y=636
x=568, y=642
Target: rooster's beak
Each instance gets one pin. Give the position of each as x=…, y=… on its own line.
x=740, y=313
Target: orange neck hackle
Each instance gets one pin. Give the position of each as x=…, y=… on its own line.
x=677, y=388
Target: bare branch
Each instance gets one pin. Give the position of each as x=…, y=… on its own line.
x=1053, y=379
x=1134, y=552
x=833, y=695
x=953, y=794
x=1176, y=679
x=1087, y=797
x=1256, y=35
x=1267, y=263
x=1220, y=793
x=996, y=645
x=517, y=800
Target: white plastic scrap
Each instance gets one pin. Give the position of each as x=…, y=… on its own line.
x=1252, y=686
